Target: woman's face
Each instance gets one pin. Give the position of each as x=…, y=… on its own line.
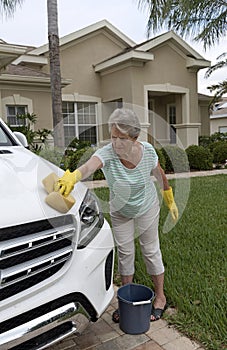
x=122, y=143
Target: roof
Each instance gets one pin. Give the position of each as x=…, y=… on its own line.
x=219, y=109
x=130, y=50
x=143, y=52
x=33, y=59
x=9, y=52
x=24, y=71
x=169, y=36
x=124, y=57
x=194, y=60
x=203, y=97
x=104, y=24
x=20, y=74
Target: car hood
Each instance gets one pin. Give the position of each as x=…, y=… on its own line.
x=22, y=195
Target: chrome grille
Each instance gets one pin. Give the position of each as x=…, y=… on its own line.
x=33, y=252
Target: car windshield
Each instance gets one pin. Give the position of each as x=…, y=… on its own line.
x=5, y=139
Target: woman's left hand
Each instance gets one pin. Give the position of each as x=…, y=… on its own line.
x=174, y=211
x=170, y=202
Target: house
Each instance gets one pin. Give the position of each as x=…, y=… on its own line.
x=103, y=69
x=218, y=117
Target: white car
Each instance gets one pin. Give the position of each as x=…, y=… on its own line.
x=55, y=269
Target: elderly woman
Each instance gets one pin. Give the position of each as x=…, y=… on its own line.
x=127, y=164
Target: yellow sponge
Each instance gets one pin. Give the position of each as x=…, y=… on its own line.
x=49, y=182
x=55, y=199
x=59, y=202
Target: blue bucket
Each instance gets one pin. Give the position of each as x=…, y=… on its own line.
x=135, y=304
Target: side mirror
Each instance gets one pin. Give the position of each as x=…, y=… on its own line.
x=21, y=138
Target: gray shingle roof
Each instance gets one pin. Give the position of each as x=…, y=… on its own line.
x=24, y=71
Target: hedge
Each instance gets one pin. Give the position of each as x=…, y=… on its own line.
x=175, y=159
x=220, y=153
x=199, y=157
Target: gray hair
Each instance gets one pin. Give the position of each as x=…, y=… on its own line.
x=126, y=121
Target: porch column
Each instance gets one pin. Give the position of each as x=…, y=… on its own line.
x=187, y=134
x=144, y=131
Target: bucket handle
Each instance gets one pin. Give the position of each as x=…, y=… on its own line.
x=143, y=302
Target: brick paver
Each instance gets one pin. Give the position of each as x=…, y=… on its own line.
x=106, y=335
x=181, y=343
x=150, y=345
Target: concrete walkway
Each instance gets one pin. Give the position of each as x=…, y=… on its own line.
x=106, y=335
x=102, y=183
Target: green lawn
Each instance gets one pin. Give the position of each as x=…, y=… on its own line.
x=194, y=254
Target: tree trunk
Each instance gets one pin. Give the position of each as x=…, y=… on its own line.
x=55, y=73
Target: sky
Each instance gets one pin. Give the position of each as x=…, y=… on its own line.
x=28, y=26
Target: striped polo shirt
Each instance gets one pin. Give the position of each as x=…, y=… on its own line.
x=132, y=192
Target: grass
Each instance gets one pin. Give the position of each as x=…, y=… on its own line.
x=194, y=254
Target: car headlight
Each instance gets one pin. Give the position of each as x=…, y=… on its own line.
x=91, y=218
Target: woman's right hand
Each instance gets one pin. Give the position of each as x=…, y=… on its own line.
x=66, y=183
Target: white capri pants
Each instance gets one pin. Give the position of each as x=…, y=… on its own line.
x=124, y=234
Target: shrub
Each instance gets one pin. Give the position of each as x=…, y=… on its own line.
x=161, y=158
x=175, y=159
x=220, y=153
x=219, y=136
x=211, y=141
x=54, y=156
x=79, y=144
x=213, y=145
x=205, y=141
x=199, y=157
x=79, y=157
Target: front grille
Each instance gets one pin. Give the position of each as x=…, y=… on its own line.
x=32, y=252
x=28, y=316
x=40, y=342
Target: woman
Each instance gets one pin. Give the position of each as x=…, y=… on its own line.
x=127, y=165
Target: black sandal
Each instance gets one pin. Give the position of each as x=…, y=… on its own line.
x=116, y=316
x=157, y=313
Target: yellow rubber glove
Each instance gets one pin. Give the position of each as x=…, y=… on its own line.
x=169, y=200
x=66, y=183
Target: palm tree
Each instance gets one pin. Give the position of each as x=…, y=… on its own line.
x=55, y=73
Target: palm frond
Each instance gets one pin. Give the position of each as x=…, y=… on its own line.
x=220, y=88
x=202, y=20
x=8, y=7
x=216, y=66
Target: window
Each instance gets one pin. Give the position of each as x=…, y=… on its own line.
x=223, y=129
x=5, y=139
x=12, y=112
x=172, y=122
x=80, y=121
x=69, y=122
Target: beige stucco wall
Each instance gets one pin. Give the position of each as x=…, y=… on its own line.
x=216, y=123
x=78, y=59
x=127, y=81
x=116, y=85
x=204, y=120
x=37, y=100
x=168, y=66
